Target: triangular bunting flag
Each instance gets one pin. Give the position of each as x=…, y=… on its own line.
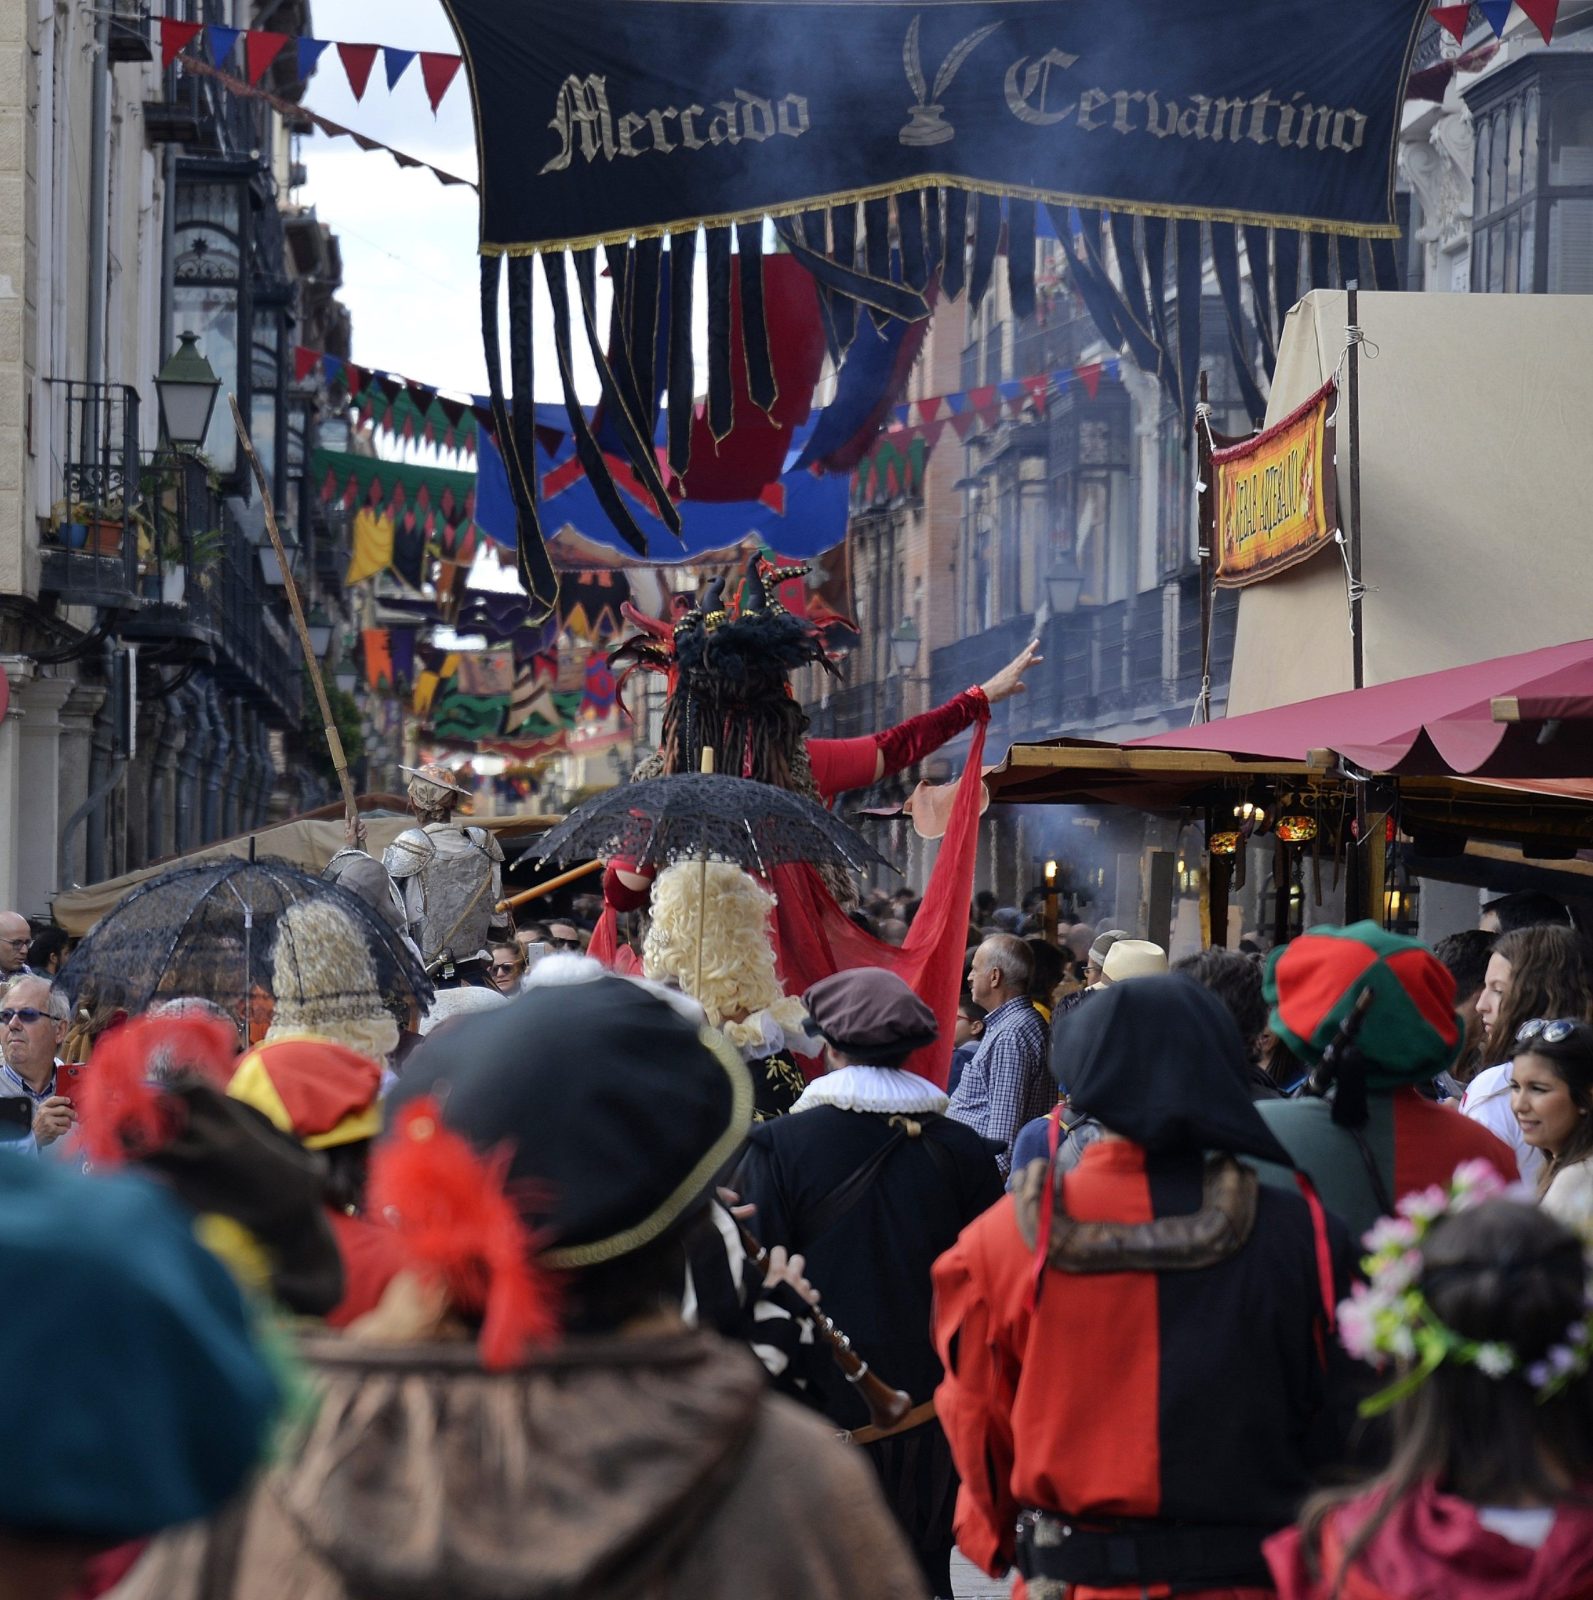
x=1453, y=20
x=454, y=410
x=956, y=404
x=260, y=49
x=332, y=369
x=1014, y=403
x=1495, y=13
x=962, y=423
x=1542, y=14
x=983, y=399
x=899, y=414
x=358, y=59
x=304, y=362
x=1036, y=386
x=1114, y=370
x=221, y=40
x=175, y=37
x=1090, y=377
x=437, y=72
x=1011, y=389
x=310, y=56
x=359, y=379
x=932, y=431
x=395, y=62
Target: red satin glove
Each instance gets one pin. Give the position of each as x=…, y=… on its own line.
x=921, y=736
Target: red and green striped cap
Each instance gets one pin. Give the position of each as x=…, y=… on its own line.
x=1411, y=1031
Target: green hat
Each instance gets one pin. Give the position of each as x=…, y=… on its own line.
x=1411, y=1031
x=159, y=1403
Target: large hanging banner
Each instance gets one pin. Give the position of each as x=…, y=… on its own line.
x=1275, y=499
x=623, y=118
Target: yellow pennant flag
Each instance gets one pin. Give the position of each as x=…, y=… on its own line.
x=373, y=546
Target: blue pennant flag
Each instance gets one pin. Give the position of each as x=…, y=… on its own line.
x=957, y=402
x=332, y=368
x=395, y=61
x=899, y=414
x=1495, y=13
x=309, y=55
x=1009, y=390
x=221, y=42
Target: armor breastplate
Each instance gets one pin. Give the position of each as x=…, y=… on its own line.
x=452, y=895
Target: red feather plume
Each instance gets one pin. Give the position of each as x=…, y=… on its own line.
x=454, y=1220
x=120, y=1112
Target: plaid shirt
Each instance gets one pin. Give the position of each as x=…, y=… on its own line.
x=1006, y=1084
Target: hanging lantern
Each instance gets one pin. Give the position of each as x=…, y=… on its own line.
x=1224, y=844
x=1297, y=829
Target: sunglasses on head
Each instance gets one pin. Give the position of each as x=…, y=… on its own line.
x=1542, y=1028
x=27, y=1014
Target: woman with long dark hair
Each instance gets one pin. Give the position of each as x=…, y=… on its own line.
x=1489, y=1492
x=1544, y=971
x=1551, y=1094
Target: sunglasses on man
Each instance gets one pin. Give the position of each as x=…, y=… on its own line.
x=24, y=1014
x=564, y=944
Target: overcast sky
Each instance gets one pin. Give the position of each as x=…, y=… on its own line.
x=410, y=267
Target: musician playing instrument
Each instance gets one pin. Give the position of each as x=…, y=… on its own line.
x=870, y=1180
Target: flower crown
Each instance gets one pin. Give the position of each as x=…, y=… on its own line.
x=1387, y=1318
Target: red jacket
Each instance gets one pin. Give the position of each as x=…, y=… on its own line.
x=1432, y=1547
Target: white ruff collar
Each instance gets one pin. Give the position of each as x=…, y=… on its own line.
x=883, y=1090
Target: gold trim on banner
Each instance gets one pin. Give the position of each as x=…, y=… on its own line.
x=928, y=180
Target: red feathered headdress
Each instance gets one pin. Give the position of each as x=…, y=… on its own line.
x=121, y=1113
x=455, y=1222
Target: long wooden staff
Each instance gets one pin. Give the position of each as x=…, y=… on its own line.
x=333, y=741
x=536, y=892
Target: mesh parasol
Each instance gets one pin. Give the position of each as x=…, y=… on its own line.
x=702, y=815
x=216, y=931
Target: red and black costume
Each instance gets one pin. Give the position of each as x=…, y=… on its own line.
x=728, y=691
x=1140, y=1372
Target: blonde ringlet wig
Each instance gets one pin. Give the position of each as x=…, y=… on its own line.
x=738, y=975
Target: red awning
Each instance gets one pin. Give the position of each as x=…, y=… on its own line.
x=1440, y=722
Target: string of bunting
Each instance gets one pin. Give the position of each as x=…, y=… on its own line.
x=292, y=114
x=263, y=48
x=404, y=407
x=1454, y=20
x=960, y=411
x=437, y=501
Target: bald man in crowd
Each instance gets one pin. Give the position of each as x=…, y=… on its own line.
x=1006, y=1084
x=15, y=937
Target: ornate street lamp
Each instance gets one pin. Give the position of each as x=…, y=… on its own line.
x=905, y=644
x=187, y=387
x=1064, y=583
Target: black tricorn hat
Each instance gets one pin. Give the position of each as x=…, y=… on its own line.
x=617, y=1111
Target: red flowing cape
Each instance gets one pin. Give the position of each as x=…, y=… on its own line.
x=814, y=938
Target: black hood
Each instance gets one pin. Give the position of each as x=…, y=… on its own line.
x=1160, y=1061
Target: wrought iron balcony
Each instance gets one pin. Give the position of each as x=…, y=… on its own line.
x=90, y=548
x=179, y=537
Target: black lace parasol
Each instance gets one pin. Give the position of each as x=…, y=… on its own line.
x=212, y=931
x=695, y=816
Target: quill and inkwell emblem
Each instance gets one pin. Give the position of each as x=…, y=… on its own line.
x=926, y=123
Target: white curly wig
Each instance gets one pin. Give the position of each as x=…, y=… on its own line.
x=738, y=975
x=324, y=981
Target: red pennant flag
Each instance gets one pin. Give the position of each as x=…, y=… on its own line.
x=358, y=59
x=1452, y=19
x=304, y=362
x=982, y=399
x=260, y=49
x=1090, y=377
x=1037, y=387
x=962, y=423
x=931, y=431
x=1542, y=14
x=175, y=37
x=437, y=73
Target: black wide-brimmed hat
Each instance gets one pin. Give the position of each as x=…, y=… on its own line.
x=615, y=1109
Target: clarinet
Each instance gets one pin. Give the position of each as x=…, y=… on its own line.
x=886, y=1406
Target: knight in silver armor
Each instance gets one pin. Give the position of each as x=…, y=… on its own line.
x=450, y=875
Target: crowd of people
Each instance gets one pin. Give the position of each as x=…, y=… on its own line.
x=701, y=1240
x=1235, y=1273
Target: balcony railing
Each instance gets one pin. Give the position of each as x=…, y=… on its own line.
x=89, y=547
x=178, y=530
x=1102, y=668
x=859, y=709
x=254, y=651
